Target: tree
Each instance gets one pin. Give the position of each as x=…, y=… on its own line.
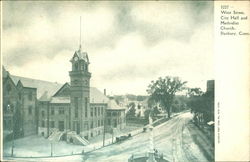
x=163, y=91
x=201, y=104
x=131, y=111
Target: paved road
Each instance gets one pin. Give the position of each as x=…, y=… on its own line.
x=172, y=139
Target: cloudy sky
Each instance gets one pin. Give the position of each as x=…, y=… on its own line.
x=128, y=43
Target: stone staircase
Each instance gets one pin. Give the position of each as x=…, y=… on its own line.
x=76, y=139
x=56, y=136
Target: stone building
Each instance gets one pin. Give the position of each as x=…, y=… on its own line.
x=53, y=110
x=19, y=106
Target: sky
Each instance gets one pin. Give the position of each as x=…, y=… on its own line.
x=129, y=44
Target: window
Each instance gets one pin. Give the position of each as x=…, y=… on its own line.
x=8, y=88
x=86, y=107
x=115, y=123
x=91, y=111
x=61, y=110
x=30, y=96
x=52, y=111
x=86, y=125
x=43, y=113
x=102, y=110
x=52, y=124
x=19, y=95
x=43, y=123
x=109, y=122
x=98, y=123
x=98, y=111
x=91, y=125
x=76, y=66
x=95, y=111
x=101, y=122
x=109, y=114
x=76, y=106
x=30, y=110
x=86, y=68
x=76, y=114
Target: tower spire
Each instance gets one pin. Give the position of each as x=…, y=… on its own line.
x=80, y=43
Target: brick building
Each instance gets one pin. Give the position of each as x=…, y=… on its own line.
x=50, y=108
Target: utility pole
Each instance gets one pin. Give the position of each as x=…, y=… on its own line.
x=104, y=124
x=51, y=151
x=12, y=146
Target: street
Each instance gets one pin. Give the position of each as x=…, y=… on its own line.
x=172, y=138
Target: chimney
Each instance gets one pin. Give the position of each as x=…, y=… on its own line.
x=104, y=92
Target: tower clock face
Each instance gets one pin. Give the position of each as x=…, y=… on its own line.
x=76, y=58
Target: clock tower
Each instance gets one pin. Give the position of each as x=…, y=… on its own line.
x=79, y=93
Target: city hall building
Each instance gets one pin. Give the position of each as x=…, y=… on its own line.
x=51, y=109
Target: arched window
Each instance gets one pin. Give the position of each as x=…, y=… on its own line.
x=86, y=67
x=83, y=67
x=76, y=66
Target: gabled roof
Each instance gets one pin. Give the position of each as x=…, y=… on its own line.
x=42, y=86
x=112, y=105
x=97, y=96
x=63, y=91
x=48, y=91
x=81, y=55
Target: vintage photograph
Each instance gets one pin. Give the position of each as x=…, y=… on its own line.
x=108, y=81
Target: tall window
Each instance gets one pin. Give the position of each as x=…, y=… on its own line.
x=8, y=88
x=86, y=107
x=61, y=110
x=91, y=125
x=76, y=106
x=91, y=111
x=76, y=66
x=95, y=111
x=52, y=111
x=102, y=110
x=43, y=113
x=86, y=125
x=98, y=111
x=52, y=124
x=30, y=96
x=43, y=123
x=30, y=110
x=20, y=95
